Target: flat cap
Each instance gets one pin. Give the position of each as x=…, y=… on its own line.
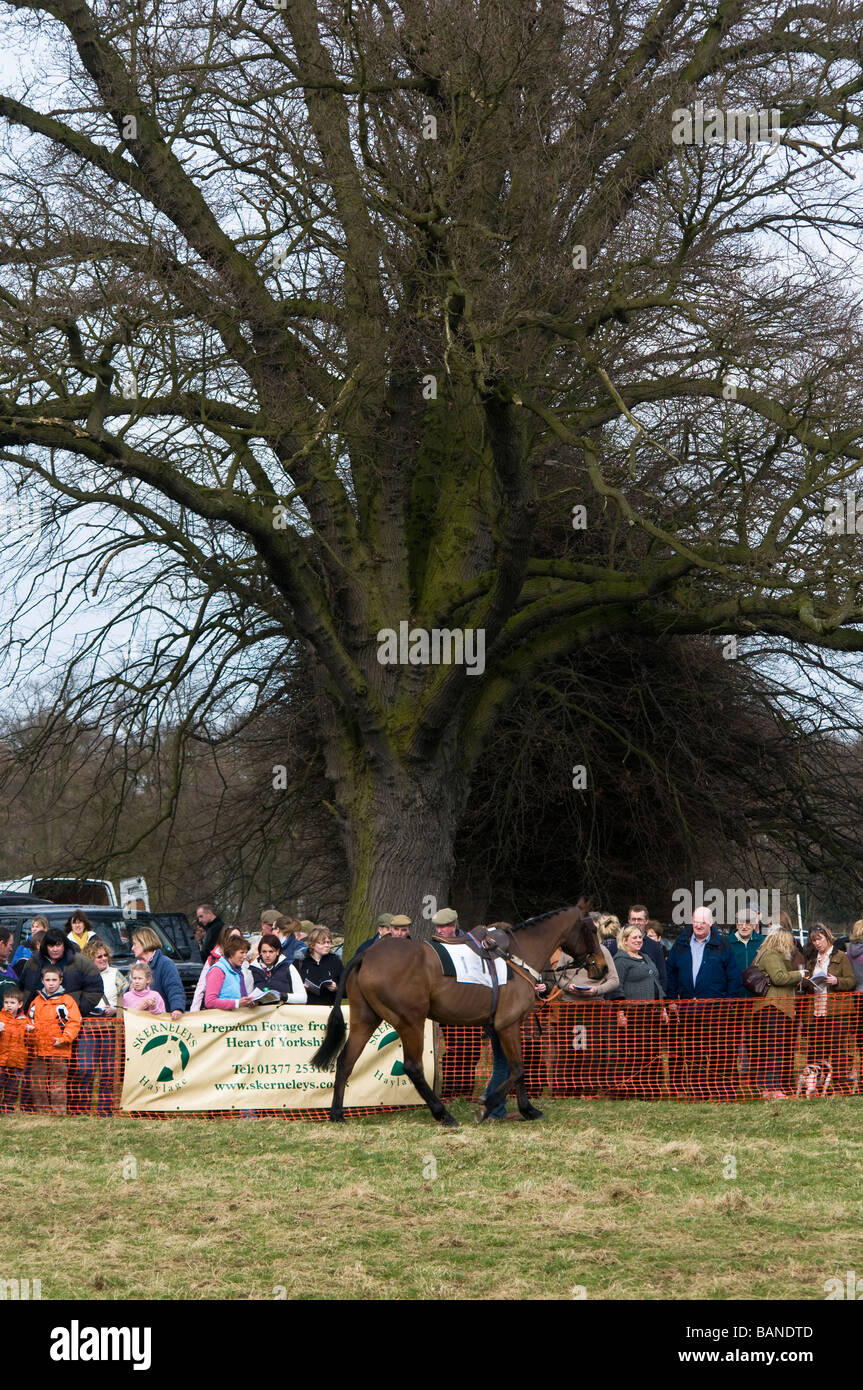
x=270, y=916
x=385, y=920
x=400, y=920
x=444, y=916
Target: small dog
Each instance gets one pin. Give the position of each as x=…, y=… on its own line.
x=815, y=1079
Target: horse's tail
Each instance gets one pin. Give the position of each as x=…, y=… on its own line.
x=334, y=1038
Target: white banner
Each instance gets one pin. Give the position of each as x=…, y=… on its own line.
x=256, y=1059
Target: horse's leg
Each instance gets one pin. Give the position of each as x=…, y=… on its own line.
x=363, y=1023
x=412, y=1036
x=510, y=1041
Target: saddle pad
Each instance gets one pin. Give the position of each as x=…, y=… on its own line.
x=463, y=964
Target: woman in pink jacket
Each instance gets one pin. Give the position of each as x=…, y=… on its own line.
x=229, y=982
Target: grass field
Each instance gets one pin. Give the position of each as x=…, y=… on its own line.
x=622, y=1200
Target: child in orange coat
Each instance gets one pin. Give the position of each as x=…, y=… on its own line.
x=55, y=1022
x=13, y=1046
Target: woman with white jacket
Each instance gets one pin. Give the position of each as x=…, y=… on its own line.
x=113, y=982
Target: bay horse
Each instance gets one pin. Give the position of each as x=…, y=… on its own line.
x=402, y=981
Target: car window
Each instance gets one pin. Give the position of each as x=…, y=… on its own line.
x=14, y=925
x=114, y=929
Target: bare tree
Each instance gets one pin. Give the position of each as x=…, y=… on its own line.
x=309, y=309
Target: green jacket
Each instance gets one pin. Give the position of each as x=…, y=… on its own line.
x=639, y=978
x=746, y=951
x=784, y=981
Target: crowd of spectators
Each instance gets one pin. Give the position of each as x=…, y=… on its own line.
x=713, y=1052
x=60, y=977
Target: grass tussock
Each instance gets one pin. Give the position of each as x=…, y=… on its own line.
x=629, y=1200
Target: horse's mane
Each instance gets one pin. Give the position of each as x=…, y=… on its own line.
x=543, y=916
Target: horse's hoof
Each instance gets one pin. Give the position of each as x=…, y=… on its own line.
x=481, y=1114
x=449, y=1121
x=531, y=1113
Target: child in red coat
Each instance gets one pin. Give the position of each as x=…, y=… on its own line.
x=55, y=1022
x=13, y=1046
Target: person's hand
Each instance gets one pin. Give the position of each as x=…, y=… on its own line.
x=245, y=1003
x=2, y=1025
x=832, y=980
x=58, y=1042
x=541, y=987
x=150, y=1005
x=110, y=1011
x=592, y=990
x=176, y=1013
x=31, y=1028
x=621, y=1019
x=664, y=1015
x=329, y=984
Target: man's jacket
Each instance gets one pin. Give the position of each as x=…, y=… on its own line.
x=719, y=976
x=745, y=951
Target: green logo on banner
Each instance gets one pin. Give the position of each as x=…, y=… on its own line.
x=174, y=1059
x=398, y=1067
x=164, y=1050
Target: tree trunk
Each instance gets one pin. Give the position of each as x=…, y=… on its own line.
x=398, y=826
x=399, y=833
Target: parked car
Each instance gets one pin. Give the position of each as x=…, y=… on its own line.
x=111, y=925
x=22, y=900
x=81, y=892
x=177, y=928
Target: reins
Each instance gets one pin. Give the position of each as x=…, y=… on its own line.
x=526, y=972
x=517, y=965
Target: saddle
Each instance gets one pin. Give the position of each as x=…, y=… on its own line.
x=488, y=952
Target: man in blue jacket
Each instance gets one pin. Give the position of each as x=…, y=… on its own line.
x=382, y=929
x=702, y=974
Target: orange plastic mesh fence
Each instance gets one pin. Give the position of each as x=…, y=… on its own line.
x=698, y=1049
x=690, y=1050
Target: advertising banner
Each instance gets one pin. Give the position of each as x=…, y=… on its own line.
x=255, y=1059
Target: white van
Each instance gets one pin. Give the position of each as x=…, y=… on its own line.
x=92, y=892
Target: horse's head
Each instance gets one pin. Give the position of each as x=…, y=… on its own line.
x=582, y=938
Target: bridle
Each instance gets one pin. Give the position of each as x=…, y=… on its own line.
x=491, y=943
x=518, y=966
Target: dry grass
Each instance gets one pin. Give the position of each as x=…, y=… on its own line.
x=629, y=1200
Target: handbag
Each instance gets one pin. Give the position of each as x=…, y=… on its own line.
x=756, y=980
